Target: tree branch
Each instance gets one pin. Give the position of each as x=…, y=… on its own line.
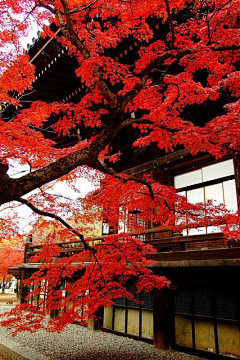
x=82, y=8
x=225, y=48
x=39, y=3
x=132, y=121
x=26, y=17
x=159, y=61
x=170, y=21
x=13, y=189
x=127, y=122
x=59, y=219
x=68, y=31
x=104, y=168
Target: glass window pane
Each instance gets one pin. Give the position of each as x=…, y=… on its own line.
x=105, y=228
x=230, y=195
x=181, y=218
x=213, y=229
x=198, y=231
x=120, y=301
x=182, y=193
x=215, y=193
x=227, y=304
x=147, y=298
x=187, y=179
x=133, y=290
x=219, y=170
x=185, y=232
x=195, y=196
x=122, y=223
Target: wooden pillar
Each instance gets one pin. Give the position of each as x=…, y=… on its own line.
x=96, y=323
x=91, y=323
x=236, y=160
x=23, y=289
x=178, y=246
x=27, y=246
x=161, y=321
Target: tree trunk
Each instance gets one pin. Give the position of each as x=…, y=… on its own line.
x=4, y=283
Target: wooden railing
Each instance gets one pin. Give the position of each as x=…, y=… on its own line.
x=161, y=238
x=66, y=249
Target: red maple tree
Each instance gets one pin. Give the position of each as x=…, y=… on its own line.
x=190, y=66
x=9, y=257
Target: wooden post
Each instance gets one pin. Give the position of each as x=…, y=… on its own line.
x=23, y=289
x=96, y=324
x=178, y=246
x=27, y=246
x=236, y=160
x=161, y=321
x=91, y=324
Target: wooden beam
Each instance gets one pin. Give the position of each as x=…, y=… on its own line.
x=186, y=239
x=228, y=253
x=159, y=162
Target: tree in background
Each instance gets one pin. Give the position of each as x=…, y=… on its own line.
x=191, y=67
x=10, y=256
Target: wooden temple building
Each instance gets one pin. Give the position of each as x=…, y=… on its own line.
x=200, y=312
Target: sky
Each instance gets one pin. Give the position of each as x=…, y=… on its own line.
x=33, y=33
x=28, y=40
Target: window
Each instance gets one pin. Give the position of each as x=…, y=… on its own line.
x=131, y=221
x=105, y=228
x=206, y=173
x=214, y=182
x=130, y=318
x=206, y=317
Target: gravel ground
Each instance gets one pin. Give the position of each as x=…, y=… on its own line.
x=79, y=343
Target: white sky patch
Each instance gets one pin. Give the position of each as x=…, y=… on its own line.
x=33, y=33
x=83, y=185
x=13, y=21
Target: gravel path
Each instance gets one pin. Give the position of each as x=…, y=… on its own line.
x=79, y=343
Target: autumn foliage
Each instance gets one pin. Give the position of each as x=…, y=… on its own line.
x=11, y=255
x=181, y=84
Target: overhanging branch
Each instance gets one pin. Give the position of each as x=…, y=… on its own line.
x=105, y=169
x=59, y=219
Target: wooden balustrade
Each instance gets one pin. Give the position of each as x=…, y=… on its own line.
x=66, y=249
x=155, y=236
